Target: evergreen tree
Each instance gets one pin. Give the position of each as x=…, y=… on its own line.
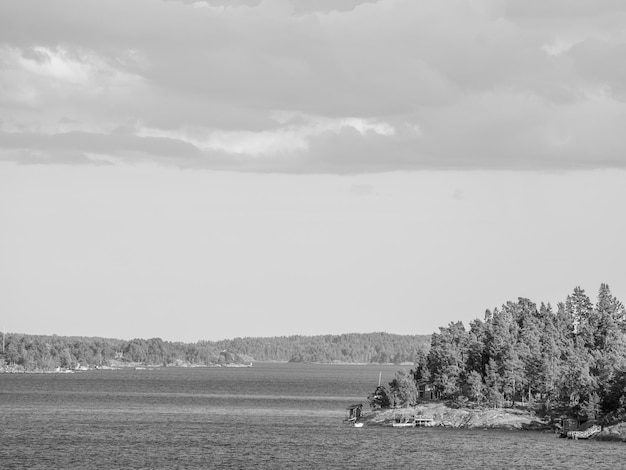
x=380, y=398
x=402, y=390
x=475, y=387
x=446, y=359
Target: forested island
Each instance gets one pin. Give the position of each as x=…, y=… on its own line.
x=565, y=362
x=24, y=352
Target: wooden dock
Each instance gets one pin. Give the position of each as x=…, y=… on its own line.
x=424, y=421
x=586, y=434
x=417, y=421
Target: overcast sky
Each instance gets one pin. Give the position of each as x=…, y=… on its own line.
x=211, y=169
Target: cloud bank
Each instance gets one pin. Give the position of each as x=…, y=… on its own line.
x=315, y=87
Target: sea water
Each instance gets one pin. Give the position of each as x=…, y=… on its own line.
x=271, y=415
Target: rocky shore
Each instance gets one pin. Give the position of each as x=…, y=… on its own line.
x=442, y=415
x=481, y=418
x=617, y=432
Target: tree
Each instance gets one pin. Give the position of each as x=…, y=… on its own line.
x=580, y=310
x=403, y=390
x=493, y=385
x=380, y=398
x=11, y=354
x=550, y=359
x=613, y=400
x=476, y=387
x=477, y=356
x=446, y=359
x=420, y=372
x=591, y=406
x=513, y=375
x=576, y=383
x=66, y=359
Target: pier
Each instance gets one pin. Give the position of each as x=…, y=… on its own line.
x=424, y=421
x=586, y=434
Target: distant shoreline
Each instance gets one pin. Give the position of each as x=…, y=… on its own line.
x=141, y=366
x=128, y=366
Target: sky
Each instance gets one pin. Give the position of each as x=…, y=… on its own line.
x=210, y=169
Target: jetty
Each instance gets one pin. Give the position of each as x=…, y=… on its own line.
x=572, y=429
x=424, y=421
x=586, y=434
x=414, y=421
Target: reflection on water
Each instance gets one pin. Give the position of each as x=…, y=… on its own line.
x=268, y=416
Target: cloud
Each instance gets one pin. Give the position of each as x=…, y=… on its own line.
x=80, y=147
x=292, y=86
x=602, y=64
x=284, y=140
x=567, y=9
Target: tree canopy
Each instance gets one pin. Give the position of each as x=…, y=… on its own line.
x=573, y=357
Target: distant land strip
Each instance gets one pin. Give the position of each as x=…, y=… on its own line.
x=24, y=352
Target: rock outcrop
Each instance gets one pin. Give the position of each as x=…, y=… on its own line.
x=498, y=418
x=617, y=432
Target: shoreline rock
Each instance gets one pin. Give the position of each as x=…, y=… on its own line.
x=471, y=418
x=616, y=433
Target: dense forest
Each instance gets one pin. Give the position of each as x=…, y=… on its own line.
x=367, y=348
x=31, y=352
x=572, y=358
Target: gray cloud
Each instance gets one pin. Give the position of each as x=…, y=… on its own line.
x=284, y=86
x=98, y=143
x=564, y=9
x=602, y=64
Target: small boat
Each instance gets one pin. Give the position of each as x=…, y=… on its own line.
x=358, y=424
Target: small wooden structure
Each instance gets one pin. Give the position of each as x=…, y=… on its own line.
x=426, y=391
x=586, y=434
x=404, y=422
x=565, y=425
x=354, y=412
x=424, y=421
x=419, y=421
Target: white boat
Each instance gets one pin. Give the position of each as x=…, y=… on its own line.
x=358, y=425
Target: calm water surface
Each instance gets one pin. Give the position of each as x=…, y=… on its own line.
x=267, y=416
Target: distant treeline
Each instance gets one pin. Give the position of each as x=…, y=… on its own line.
x=353, y=347
x=574, y=357
x=36, y=352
